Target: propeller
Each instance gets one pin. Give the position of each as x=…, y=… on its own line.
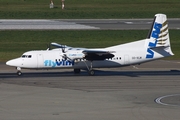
x=59, y=46
x=66, y=57
x=56, y=45
x=63, y=48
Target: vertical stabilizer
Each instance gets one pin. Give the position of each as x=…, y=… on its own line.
x=158, y=36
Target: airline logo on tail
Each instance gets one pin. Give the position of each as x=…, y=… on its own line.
x=158, y=38
x=155, y=34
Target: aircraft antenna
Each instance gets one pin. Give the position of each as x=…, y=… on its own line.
x=63, y=48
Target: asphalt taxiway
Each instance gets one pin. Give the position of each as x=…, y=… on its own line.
x=82, y=24
x=125, y=93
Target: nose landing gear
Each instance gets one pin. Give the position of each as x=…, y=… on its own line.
x=19, y=73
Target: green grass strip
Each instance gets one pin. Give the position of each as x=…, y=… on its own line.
x=14, y=43
x=81, y=9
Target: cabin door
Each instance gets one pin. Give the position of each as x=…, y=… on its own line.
x=126, y=59
x=40, y=61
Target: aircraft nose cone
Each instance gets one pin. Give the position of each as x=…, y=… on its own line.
x=10, y=63
x=14, y=62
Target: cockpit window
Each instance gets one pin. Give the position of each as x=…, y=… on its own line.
x=29, y=56
x=23, y=56
x=26, y=56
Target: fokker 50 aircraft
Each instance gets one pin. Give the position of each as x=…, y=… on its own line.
x=155, y=46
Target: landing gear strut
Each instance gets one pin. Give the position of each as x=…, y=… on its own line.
x=90, y=69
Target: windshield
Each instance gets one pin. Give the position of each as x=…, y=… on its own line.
x=26, y=56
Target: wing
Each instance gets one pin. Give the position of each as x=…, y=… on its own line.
x=88, y=54
x=59, y=45
x=97, y=54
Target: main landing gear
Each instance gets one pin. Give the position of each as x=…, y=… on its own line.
x=77, y=71
x=90, y=72
x=90, y=69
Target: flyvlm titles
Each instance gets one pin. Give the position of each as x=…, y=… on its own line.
x=56, y=63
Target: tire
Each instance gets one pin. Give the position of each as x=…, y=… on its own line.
x=77, y=71
x=91, y=72
x=19, y=73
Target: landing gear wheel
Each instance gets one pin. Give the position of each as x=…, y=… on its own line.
x=77, y=71
x=19, y=73
x=91, y=72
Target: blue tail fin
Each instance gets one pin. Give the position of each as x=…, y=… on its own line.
x=158, y=36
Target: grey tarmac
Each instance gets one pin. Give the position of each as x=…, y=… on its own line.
x=126, y=93
x=82, y=24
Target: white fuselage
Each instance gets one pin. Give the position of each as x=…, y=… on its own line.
x=125, y=54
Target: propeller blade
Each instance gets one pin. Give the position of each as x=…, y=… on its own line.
x=56, y=45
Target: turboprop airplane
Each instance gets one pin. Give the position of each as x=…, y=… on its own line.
x=155, y=46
